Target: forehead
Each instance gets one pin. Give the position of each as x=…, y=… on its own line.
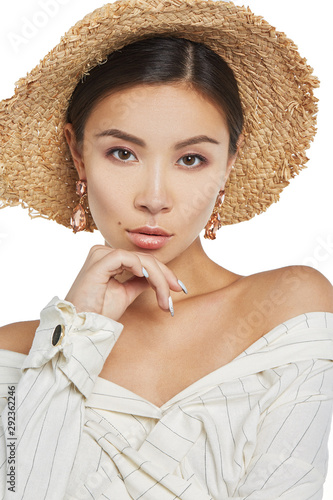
x=159, y=105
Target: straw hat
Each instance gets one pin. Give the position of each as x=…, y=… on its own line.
x=275, y=83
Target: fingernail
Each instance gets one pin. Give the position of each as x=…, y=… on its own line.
x=171, y=306
x=145, y=272
x=183, y=286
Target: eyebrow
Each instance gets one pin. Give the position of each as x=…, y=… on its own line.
x=113, y=132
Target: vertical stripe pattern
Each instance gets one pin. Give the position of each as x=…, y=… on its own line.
x=255, y=429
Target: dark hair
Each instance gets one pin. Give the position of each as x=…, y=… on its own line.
x=160, y=60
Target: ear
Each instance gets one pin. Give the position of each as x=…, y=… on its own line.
x=232, y=159
x=75, y=151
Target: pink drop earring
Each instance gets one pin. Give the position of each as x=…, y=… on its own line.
x=214, y=222
x=78, y=219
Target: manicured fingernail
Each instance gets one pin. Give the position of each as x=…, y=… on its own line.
x=183, y=286
x=171, y=306
x=145, y=272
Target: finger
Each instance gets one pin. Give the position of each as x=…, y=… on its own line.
x=174, y=283
x=169, y=274
x=160, y=279
x=115, y=262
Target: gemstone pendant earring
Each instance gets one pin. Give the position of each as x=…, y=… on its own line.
x=214, y=222
x=78, y=219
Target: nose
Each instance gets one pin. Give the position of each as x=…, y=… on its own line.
x=153, y=193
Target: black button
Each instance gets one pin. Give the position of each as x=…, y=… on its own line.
x=57, y=334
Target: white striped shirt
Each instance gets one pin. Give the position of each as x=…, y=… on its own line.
x=256, y=428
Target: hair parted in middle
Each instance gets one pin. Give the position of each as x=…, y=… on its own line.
x=159, y=60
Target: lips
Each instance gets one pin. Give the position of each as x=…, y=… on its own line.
x=156, y=231
x=148, y=241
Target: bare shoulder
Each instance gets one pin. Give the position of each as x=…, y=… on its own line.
x=18, y=337
x=293, y=290
x=307, y=288
x=266, y=299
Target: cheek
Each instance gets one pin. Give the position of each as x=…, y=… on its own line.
x=104, y=188
x=105, y=198
x=194, y=211
x=199, y=200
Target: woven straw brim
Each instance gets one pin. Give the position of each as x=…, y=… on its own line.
x=276, y=87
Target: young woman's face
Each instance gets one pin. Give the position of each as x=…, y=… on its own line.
x=150, y=178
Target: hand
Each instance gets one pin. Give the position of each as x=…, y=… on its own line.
x=94, y=290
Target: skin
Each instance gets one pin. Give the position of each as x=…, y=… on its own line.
x=160, y=186
x=156, y=184
x=223, y=313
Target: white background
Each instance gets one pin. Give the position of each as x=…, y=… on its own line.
x=40, y=259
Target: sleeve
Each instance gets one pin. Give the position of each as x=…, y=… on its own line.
x=10, y=374
x=42, y=421
x=291, y=454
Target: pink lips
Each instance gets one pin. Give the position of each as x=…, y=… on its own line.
x=149, y=237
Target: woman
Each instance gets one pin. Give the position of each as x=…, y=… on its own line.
x=127, y=388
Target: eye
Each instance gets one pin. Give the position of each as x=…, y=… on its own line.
x=126, y=153
x=191, y=157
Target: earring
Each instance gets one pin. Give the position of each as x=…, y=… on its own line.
x=214, y=222
x=78, y=219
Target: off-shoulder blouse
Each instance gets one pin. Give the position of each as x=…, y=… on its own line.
x=256, y=428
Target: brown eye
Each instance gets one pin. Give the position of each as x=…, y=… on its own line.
x=189, y=160
x=123, y=154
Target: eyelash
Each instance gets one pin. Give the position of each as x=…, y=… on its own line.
x=201, y=158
